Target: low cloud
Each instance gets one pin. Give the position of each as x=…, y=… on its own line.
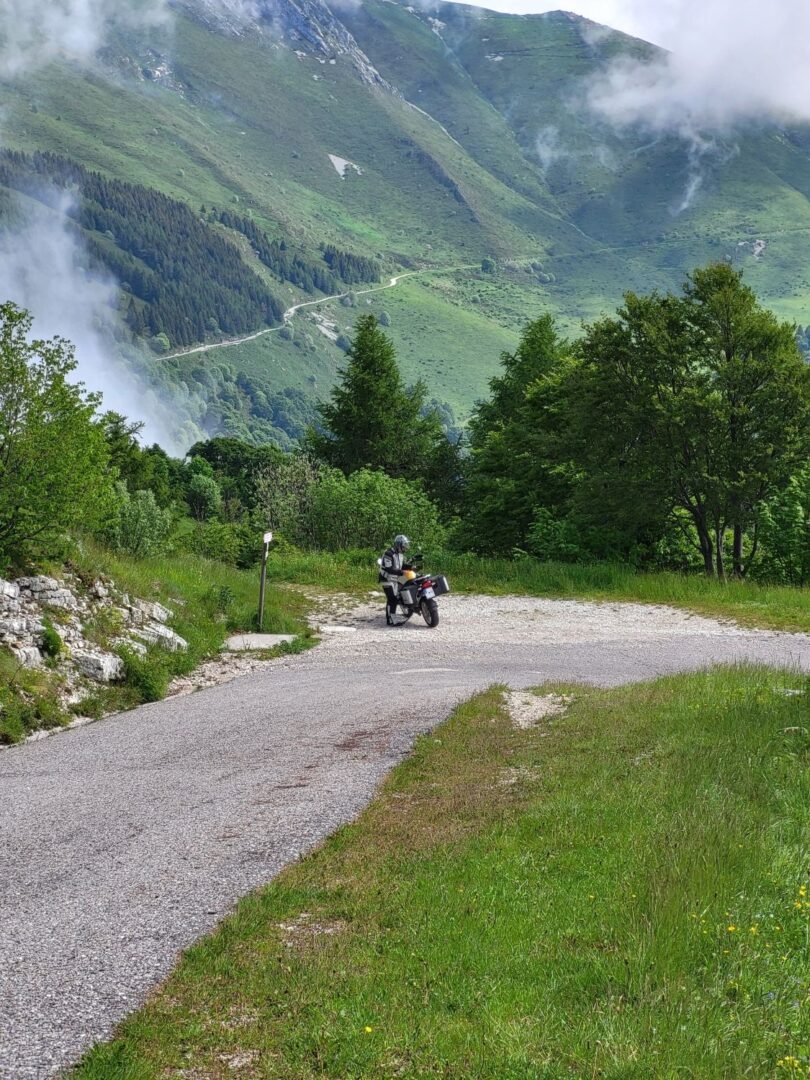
x=732, y=62
x=34, y=32
x=45, y=269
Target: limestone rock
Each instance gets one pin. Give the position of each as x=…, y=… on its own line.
x=28, y=656
x=13, y=626
x=144, y=611
x=157, y=634
x=46, y=590
x=153, y=611
x=9, y=593
x=99, y=666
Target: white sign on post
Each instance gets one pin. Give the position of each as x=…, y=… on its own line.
x=268, y=538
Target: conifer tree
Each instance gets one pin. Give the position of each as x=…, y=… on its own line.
x=373, y=420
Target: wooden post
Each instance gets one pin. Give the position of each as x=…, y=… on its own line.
x=268, y=537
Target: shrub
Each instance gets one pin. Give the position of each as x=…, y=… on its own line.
x=237, y=545
x=367, y=509
x=52, y=644
x=148, y=675
x=204, y=496
x=784, y=533
x=284, y=492
x=139, y=526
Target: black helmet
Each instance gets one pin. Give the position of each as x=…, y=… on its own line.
x=401, y=543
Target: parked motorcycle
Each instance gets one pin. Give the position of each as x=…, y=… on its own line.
x=418, y=592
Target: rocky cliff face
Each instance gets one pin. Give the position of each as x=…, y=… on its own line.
x=307, y=24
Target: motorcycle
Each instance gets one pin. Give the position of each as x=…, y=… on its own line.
x=417, y=592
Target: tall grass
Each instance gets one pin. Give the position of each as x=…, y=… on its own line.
x=621, y=892
x=749, y=603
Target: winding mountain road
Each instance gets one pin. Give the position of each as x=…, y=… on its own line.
x=124, y=841
x=291, y=311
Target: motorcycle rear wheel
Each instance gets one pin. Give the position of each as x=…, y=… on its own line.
x=430, y=613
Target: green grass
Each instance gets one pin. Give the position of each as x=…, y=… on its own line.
x=29, y=701
x=620, y=892
x=773, y=607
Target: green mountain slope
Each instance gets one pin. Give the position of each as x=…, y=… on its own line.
x=421, y=138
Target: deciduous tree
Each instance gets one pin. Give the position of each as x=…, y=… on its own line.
x=53, y=456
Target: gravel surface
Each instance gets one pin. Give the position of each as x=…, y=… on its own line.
x=126, y=840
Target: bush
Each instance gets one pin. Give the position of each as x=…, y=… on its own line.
x=148, y=675
x=554, y=539
x=234, y=544
x=204, y=496
x=139, y=526
x=52, y=644
x=784, y=533
x=284, y=492
x=367, y=509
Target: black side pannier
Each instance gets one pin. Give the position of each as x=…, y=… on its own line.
x=441, y=586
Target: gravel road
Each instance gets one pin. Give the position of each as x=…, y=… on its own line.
x=124, y=841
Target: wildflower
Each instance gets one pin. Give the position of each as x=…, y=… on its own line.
x=368, y=1030
x=731, y=928
x=802, y=890
x=753, y=929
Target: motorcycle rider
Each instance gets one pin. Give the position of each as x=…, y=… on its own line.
x=392, y=566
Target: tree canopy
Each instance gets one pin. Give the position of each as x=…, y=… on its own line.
x=684, y=414
x=699, y=402
x=54, y=461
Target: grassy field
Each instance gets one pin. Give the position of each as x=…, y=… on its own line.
x=748, y=603
x=620, y=892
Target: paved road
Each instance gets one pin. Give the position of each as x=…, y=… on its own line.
x=124, y=841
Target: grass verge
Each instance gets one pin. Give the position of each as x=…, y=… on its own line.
x=621, y=892
x=774, y=607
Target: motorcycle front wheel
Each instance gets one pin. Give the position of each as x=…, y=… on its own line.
x=430, y=613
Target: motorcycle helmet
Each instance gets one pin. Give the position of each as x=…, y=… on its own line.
x=401, y=543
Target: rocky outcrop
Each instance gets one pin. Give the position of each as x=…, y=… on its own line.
x=34, y=609
x=308, y=23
